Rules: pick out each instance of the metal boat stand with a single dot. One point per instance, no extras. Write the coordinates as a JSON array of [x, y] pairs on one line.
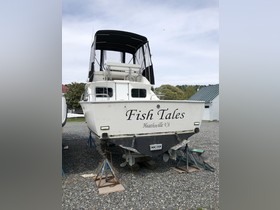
[[62, 171], [186, 157], [192, 157], [91, 140], [106, 175]]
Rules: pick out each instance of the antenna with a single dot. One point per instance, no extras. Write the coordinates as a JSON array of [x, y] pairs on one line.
[[92, 33]]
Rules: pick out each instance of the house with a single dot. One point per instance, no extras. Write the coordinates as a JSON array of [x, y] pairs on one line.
[[79, 110], [64, 89], [209, 94]]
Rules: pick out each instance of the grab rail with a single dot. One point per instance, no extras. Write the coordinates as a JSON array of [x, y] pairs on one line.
[[102, 94]]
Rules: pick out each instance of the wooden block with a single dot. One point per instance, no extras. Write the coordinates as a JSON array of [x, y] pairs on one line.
[[104, 183], [88, 175], [190, 169], [103, 177], [110, 189], [178, 170]]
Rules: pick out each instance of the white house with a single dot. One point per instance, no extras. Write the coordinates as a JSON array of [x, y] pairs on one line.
[[210, 95]]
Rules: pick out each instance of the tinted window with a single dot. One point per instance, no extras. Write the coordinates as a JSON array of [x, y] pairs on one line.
[[138, 93], [103, 92]]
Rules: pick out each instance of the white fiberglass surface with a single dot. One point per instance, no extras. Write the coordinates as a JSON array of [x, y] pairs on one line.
[[122, 91]]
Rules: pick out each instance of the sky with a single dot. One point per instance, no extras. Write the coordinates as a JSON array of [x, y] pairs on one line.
[[183, 36]]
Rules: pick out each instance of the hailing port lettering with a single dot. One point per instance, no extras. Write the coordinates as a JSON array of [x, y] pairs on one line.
[[163, 114], [156, 125]]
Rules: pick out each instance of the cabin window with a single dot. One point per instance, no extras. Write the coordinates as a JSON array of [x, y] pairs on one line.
[[138, 93], [102, 92], [206, 106]]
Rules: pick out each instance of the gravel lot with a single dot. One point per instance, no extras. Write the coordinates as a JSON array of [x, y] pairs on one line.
[[161, 188]]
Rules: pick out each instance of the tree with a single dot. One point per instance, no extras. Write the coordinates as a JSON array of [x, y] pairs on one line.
[[189, 90], [73, 95], [179, 92], [169, 92]]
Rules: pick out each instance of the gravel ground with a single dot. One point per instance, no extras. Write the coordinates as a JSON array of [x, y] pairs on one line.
[[161, 188]]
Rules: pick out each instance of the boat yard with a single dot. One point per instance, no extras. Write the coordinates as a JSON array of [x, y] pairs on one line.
[[134, 150], [160, 188]]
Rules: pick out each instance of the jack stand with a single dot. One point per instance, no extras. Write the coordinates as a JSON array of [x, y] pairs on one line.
[[91, 141], [192, 158], [106, 176], [189, 159]]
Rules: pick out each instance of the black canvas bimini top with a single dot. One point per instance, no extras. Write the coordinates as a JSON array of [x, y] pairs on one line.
[[121, 41]]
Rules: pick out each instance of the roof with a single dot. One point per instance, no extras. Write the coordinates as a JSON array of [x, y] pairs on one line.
[[65, 89], [206, 94], [121, 41]]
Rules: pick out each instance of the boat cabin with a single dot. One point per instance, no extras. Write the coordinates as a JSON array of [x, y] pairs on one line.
[[120, 68]]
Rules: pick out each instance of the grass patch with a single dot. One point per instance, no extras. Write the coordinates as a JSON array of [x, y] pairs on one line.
[[76, 119]]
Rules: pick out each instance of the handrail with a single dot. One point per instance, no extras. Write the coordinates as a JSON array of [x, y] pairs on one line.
[[102, 94]]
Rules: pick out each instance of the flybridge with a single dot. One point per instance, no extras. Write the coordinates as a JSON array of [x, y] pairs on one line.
[[121, 47], [120, 41]]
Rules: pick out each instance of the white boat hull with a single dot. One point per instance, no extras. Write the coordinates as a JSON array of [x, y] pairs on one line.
[[64, 111], [146, 127], [120, 105]]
